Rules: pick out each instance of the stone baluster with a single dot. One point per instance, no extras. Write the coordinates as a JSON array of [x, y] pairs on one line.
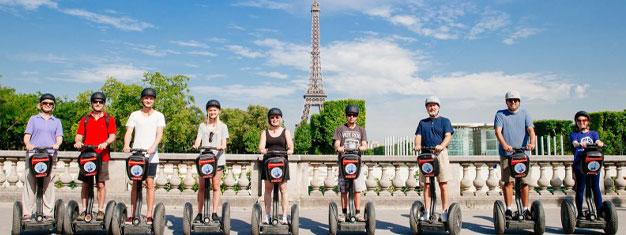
[[189, 181], [492, 180], [370, 183], [620, 183], [568, 182], [479, 181], [330, 182], [466, 182], [243, 182], [229, 182], [533, 182], [398, 182], [66, 177], [175, 180], [316, 181], [543, 181], [411, 183], [556, 182], [3, 177], [608, 181], [385, 181], [160, 180], [13, 177]]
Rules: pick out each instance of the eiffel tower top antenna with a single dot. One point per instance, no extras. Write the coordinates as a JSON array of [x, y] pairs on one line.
[[315, 94]]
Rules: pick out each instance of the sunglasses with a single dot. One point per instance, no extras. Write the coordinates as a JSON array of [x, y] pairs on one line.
[[211, 136], [48, 103], [582, 120], [274, 117], [97, 102], [352, 115], [513, 100]]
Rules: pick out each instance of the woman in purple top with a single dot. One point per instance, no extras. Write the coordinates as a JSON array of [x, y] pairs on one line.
[[579, 140], [42, 130]]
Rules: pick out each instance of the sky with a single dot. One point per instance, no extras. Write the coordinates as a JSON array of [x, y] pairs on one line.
[[562, 56]]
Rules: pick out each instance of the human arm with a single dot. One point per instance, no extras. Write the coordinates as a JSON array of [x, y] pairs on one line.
[[157, 140], [531, 133], [289, 142], [501, 140], [127, 137], [262, 141]]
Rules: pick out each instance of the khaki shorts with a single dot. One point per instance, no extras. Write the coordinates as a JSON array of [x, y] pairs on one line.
[[359, 184], [103, 174], [444, 169], [505, 173]]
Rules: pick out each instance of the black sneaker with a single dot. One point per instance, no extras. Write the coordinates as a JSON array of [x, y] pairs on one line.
[[527, 215], [198, 218], [81, 217], [580, 217], [508, 214], [214, 216]]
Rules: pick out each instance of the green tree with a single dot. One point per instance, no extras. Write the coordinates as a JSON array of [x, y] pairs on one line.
[[302, 138], [15, 111], [555, 128], [244, 127], [323, 125]]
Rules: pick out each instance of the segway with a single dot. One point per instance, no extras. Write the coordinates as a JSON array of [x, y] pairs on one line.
[[89, 163], [206, 164], [519, 167], [137, 166], [590, 164], [350, 163], [275, 168], [429, 167], [40, 168]]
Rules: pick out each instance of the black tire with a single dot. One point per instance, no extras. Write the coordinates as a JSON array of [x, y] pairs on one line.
[[414, 215], [226, 218], [568, 216], [332, 218], [610, 216], [109, 209], [256, 219], [158, 219], [119, 216], [59, 215], [370, 218], [455, 219], [16, 226], [295, 220], [499, 219], [187, 212], [71, 212], [539, 216]]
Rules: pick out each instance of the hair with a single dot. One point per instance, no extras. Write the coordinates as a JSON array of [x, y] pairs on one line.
[[218, 122]]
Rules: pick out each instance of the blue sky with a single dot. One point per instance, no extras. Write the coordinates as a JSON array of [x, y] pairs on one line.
[[563, 56]]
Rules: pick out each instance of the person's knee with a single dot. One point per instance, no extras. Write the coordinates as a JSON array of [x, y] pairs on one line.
[[101, 185], [150, 184]]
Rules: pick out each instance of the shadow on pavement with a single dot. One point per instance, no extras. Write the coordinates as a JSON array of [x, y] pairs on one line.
[[394, 228], [239, 226], [314, 226], [174, 223]]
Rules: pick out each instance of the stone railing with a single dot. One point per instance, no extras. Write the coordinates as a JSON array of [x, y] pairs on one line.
[[315, 176]]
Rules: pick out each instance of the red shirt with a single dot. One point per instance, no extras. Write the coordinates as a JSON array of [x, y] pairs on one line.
[[97, 132]]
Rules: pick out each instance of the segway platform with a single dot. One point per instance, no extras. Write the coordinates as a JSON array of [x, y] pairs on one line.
[[212, 227], [351, 226], [39, 226]]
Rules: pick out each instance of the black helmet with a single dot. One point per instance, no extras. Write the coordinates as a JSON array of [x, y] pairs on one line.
[[98, 95], [213, 103], [47, 96], [581, 113], [352, 109], [274, 111], [148, 91]]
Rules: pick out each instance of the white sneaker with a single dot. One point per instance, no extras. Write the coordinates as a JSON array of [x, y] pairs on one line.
[[444, 216], [426, 216], [284, 220], [267, 219]]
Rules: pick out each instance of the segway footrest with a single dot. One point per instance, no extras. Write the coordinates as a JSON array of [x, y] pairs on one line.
[[597, 224], [212, 227], [517, 224], [351, 226], [37, 226], [435, 226], [96, 226], [275, 229], [141, 228]]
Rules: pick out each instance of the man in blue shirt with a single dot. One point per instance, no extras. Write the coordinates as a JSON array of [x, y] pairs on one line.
[[435, 131], [514, 128]]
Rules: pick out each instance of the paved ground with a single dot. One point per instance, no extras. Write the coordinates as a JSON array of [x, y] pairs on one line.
[[390, 221]]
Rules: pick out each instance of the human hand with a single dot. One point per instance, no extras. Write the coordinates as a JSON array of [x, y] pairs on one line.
[[341, 149], [126, 149], [78, 145], [103, 145]]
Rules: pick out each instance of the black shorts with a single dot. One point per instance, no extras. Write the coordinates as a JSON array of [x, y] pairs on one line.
[[152, 169], [103, 174], [263, 174]]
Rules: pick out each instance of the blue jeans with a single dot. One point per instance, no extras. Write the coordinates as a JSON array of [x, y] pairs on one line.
[[581, 181]]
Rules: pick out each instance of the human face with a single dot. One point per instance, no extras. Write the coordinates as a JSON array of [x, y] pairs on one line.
[[352, 117], [512, 104], [432, 109], [97, 105], [213, 112], [275, 120], [47, 105], [147, 101], [582, 122]]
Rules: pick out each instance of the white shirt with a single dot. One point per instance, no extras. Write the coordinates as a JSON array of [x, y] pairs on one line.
[[146, 130]]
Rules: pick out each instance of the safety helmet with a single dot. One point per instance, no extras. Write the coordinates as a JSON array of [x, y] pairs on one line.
[[512, 95], [352, 109], [581, 113], [213, 103], [148, 92], [47, 96], [432, 99], [98, 96]]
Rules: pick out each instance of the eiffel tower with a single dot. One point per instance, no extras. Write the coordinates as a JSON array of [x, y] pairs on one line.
[[315, 95]]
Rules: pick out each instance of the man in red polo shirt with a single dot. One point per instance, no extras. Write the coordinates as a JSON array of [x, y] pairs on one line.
[[101, 132]]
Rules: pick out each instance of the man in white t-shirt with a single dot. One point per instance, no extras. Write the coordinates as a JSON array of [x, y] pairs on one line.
[[148, 125]]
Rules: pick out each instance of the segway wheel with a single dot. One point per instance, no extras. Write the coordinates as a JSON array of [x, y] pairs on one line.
[[16, 226], [226, 218], [455, 218], [187, 213], [158, 216], [256, 219], [416, 212], [499, 219], [59, 212], [295, 220], [568, 216], [108, 214], [71, 212], [119, 216], [332, 218], [539, 216], [610, 216], [370, 218]]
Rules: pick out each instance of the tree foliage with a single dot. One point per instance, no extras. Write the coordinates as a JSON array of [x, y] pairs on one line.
[[244, 127], [302, 138], [323, 125]]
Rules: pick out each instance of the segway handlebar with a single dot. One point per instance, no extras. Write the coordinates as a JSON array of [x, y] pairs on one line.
[[277, 152], [89, 147], [139, 150], [42, 148], [207, 148], [593, 145]]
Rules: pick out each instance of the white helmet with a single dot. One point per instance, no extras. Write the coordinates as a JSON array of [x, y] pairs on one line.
[[432, 99], [512, 95]]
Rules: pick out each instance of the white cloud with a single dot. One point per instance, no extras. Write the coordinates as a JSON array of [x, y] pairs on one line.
[[28, 73], [237, 27], [581, 91], [282, 53], [122, 72], [213, 76], [29, 4], [50, 58], [490, 21], [251, 94], [274, 5], [190, 43], [218, 40], [151, 50], [243, 51], [273, 75], [521, 32], [203, 53], [123, 23]]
